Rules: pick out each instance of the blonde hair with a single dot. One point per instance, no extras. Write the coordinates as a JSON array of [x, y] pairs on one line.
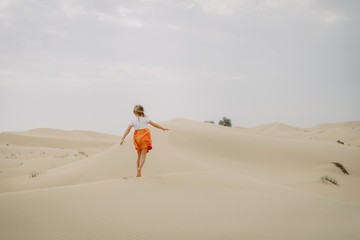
[[138, 109]]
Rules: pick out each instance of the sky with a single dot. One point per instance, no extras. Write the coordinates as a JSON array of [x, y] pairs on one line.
[[84, 64]]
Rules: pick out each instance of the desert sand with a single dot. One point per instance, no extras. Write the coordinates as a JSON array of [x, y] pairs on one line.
[[200, 181]]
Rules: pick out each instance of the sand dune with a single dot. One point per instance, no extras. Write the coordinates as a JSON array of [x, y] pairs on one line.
[[40, 150], [275, 128], [55, 138], [200, 181], [347, 132]]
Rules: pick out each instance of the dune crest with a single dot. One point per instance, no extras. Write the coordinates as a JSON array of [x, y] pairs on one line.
[[275, 128], [347, 132]]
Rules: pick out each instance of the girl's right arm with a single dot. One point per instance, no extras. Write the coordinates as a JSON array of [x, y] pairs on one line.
[[125, 134]]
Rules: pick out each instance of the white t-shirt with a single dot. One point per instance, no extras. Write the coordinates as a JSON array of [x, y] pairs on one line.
[[140, 122]]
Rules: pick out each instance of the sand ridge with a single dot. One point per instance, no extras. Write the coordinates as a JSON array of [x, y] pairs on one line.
[[346, 132]]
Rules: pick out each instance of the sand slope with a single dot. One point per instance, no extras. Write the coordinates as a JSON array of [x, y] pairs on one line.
[[346, 132], [40, 150], [200, 181]]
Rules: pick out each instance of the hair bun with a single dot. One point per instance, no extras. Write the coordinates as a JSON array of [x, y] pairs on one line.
[[139, 110]]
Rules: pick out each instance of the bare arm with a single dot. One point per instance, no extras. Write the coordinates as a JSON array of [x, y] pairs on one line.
[[158, 126], [125, 134]]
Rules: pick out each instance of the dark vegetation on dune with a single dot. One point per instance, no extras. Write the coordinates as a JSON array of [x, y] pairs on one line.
[[223, 122], [339, 165]]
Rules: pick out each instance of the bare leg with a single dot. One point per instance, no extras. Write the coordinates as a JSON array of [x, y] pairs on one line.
[[143, 153], [138, 159], [138, 165]]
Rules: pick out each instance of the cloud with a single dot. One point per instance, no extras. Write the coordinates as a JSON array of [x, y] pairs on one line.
[[6, 76], [56, 32], [229, 7], [332, 17], [285, 4], [126, 73], [67, 78], [4, 4], [27, 77], [142, 75], [219, 7], [172, 26], [315, 12], [122, 16], [72, 10]]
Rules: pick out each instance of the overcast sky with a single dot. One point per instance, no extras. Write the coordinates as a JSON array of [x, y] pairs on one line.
[[84, 64]]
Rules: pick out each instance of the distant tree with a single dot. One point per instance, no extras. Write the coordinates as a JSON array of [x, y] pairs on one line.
[[225, 122], [210, 121]]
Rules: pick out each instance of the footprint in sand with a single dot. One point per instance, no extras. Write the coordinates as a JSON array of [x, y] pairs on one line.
[[125, 178]]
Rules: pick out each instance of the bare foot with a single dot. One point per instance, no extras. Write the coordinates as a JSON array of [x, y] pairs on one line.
[[138, 173]]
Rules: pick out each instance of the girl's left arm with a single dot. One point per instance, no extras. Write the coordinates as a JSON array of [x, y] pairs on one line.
[[125, 134], [158, 126]]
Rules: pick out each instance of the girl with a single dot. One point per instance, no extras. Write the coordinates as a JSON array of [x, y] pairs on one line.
[[142, 137]]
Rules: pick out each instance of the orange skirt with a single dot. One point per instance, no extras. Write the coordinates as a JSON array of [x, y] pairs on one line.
[[142, 139]]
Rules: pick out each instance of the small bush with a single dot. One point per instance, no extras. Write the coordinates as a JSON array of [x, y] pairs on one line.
[[83, 153], [225, 122], [339, 165], [329, 179], [34, 174]]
